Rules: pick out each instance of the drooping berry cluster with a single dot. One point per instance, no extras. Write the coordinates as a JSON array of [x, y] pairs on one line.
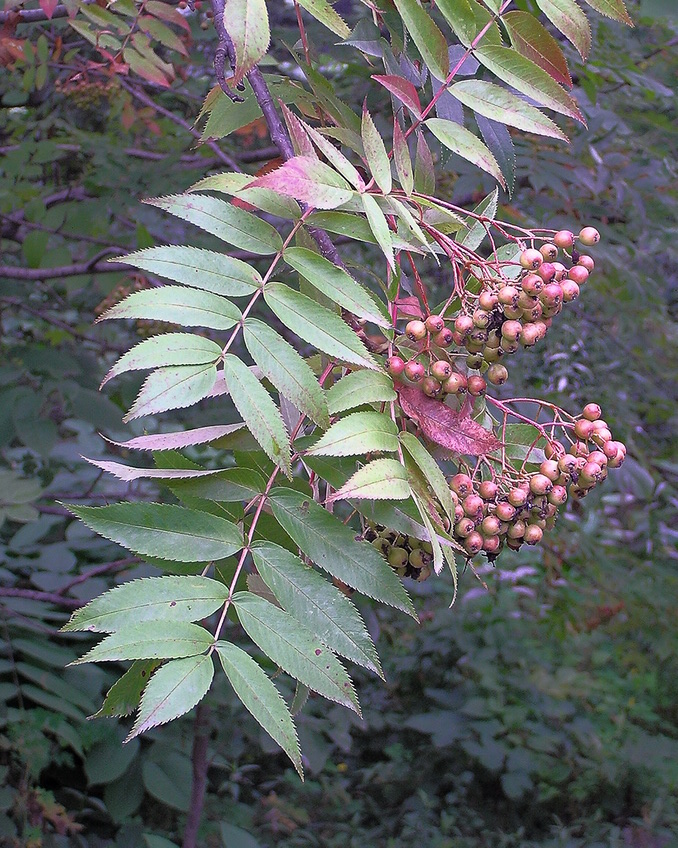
[[409, 557]]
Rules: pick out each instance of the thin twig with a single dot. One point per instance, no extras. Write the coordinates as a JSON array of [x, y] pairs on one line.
[[34, 595], [200, 763]]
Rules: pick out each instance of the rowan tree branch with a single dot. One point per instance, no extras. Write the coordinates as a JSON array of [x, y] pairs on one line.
[[34, 595], [200, 764], [32, 16]]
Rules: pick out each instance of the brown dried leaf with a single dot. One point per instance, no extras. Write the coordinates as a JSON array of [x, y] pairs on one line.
[[442, 425]]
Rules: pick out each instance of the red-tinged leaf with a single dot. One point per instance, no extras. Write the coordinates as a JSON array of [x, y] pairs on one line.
[[179, 440], [167, 13], [532, 40], [145, 68], [409, 307], [246, 22], [48, 6], [402, 159], [612, 9], [300, 141], [451, 430], [308, 180], [403, 90], [129, 473], [571, 21]]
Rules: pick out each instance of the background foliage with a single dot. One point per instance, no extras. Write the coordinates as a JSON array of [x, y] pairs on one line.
[[541, 710]]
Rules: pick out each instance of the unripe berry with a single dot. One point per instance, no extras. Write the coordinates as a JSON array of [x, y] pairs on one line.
[[441, 370], [599, 457], [601, 436], [579, 274], [509, 346], [395, 366], [511, 330], [463, 324], [497, 374], [474, 360], [532, 284], [552, 295], [455, 384], [533, 534], [540, 484], [516, 530], [488, 490], [415, 330], [517, 497], [473, 504], [487, 300], [481, 318], [618, 460], [513, 313], [531, 259], [531, 315], [461, 484], [527, 301], [553, 450], [570, 290], [564, 239], [414, 371], [561, 272], [589, 236], [417, 558], [464, 528], [549, 468], [530, 335], [547, 272], [491, 544], [610, 449], [505, 511], [491, 354], [473, 543], [478, 335], [476, 385], [583, 429], [592, 412], [431, 387], [549, 251], [557, 496], [444, 338], [490, 525], [508, 295], [434, 323], [514, 544], [397, 557], [586, 262]]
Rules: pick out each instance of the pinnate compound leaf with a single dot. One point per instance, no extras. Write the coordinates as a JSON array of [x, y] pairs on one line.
[[528, 78], [261, 415], [375, 153], [246, 22], [165, 531], [612, 9], [198, 268], [150, 598], [149, 641], [180, 439], [323, 12], [177, 305], [167, 349], [227, 222], [403, 90], [291, 645], [332, 546], [173, 388], [532, 40], [457, 433], [317, 325], [462, 142], [124, 695], [336, 283], [175, 688], [428, 38], [313, 600], [381, 479], [357, 434], [571, 21], [359, 387], [308, 180], [261, 698], [498, 104], [285, 368]]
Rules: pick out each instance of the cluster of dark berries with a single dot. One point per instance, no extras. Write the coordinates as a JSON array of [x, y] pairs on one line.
[[516, 511], [505, 315], [407, 556]]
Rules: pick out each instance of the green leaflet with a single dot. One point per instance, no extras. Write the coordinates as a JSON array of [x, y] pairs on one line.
[[427, 465], [228, 486], [165, 531], [317, 325], [285, 368], [317, 603], [173, 388], [335, 283], [532, 40], [246, 23], [323, 12], [357, 434], [151, 640], [381, 479], [528, 78], [167, 349], [332, 546], [261, 415], [291, 645], [612, 9], [424, 169], [459, 15], [198, 268], [477, 230], [175, 688], [402, 159], [177, 305], [429, 39], [54, 684], [259, 695], [150, 598], [227, 222], [359, 387], [375, 153], [335, 157], [124, 695], [571, 21], [462, 142], [379, 226], [498, 104]]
